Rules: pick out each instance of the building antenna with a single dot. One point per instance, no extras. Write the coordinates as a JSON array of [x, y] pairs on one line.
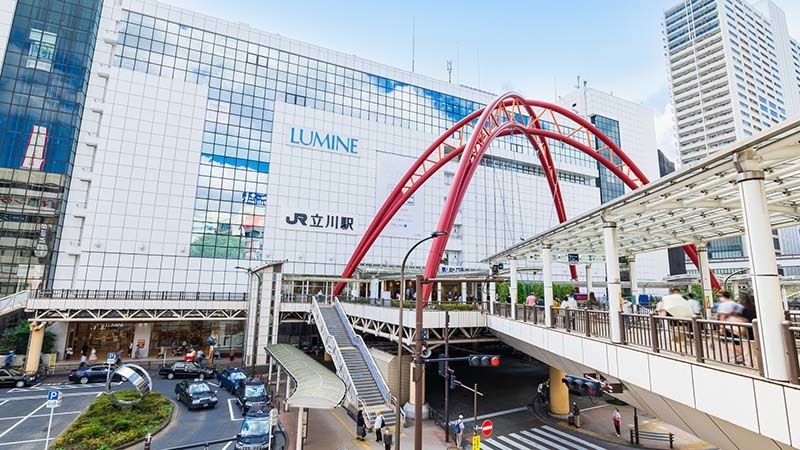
[[478, 56], [555, 89], [449, 70], [413, 41]]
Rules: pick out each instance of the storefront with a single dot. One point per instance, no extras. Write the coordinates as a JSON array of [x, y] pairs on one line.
[[153, 338]]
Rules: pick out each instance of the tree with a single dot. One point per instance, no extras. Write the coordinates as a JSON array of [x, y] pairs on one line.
[[524, 289], [16, 339], [217, 246]]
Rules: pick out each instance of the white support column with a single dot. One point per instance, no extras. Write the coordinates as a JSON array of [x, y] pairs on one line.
[[547, 277], [301, 429], [705, 277], [764, 268], [492, 295], [634, 280], [613, 280], [784, 298], [285, 397], [374, 288], [464, 291], [512, 287], [439, 292], [278, 380], [588, 278], [485, 296]]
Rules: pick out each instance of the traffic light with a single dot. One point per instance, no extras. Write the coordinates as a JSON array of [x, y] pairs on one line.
[[484, 361], [441, 365], [453, 382], [582, 386]]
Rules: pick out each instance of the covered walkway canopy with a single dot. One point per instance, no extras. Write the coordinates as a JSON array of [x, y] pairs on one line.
[[316, 386], [748, 188], [692, 206]]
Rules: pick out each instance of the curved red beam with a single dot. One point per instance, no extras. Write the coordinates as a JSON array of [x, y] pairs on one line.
[[468, 165]]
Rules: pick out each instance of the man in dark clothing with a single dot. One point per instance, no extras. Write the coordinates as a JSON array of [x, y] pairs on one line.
[[361, 426], [388, 439]]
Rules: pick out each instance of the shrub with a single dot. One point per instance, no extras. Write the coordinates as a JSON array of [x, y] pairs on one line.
[[17, 339], [91, 429]]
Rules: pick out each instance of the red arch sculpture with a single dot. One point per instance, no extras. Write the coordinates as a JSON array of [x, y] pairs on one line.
[[508, 114]]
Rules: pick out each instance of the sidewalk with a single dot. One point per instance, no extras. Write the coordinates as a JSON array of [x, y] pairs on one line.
[[596, 421], [335, 430]]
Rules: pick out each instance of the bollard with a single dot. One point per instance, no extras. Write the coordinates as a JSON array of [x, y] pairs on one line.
[[147, 440]]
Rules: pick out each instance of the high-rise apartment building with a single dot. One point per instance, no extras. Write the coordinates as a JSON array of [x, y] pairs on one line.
[[734, 71]]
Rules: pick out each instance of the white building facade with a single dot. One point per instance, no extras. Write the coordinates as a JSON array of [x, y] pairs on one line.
[[734, 71]]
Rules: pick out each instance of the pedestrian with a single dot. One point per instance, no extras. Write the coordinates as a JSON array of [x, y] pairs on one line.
[[361, 426], [377, 425], [118, 359], [627, 308], [9, 359], [459, 429], [130, 350], [531, 300], [576, 414], [68, 353], [593, 302], [388, 438], [84, 358], [138, 352], [617, 418], [85, 349], [92, 356]]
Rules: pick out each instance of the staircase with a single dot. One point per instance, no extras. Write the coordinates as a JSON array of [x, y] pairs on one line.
[[14, 302], [354, 365]]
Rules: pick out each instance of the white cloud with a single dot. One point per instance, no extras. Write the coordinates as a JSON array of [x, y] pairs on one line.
[[665, 130]]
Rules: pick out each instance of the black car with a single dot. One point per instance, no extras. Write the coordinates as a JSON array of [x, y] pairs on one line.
[[186, 369], [16, 378], [196, 394], [259, 432], [93, 374], [249, 392]]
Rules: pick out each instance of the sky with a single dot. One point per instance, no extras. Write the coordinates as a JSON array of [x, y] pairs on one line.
[[535, 47]]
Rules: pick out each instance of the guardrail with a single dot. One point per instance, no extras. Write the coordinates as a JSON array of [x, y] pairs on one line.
[[723, 342], [137, 295]]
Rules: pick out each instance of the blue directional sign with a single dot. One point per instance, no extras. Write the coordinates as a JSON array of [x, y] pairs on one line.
[[53, 395]]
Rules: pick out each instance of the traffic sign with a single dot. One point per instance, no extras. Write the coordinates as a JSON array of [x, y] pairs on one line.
[[486, 427], [111, 358], [476, 442], [53, 399]]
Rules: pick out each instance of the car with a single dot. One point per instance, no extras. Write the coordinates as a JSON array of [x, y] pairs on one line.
[[196, 394], [97, 373], [186, 369], [229, 378], [249, 392], [16, 378], [260, 432]]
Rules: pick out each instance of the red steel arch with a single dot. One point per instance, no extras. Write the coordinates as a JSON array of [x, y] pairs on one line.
[[508, 114]]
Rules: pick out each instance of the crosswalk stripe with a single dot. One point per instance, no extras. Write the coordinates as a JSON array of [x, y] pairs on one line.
[[486, 446], [567, 435], [528, 441], [501, 446], [543, 440], [558, 439], [516, 444]]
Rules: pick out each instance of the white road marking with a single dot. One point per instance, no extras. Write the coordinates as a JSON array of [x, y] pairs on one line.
[[26, 442], [3, 402], [545, 441], [42, 396], [213, 384], [567, 435], [227, 445], [528, 442], [23, 419], [230, 410], [509, 441], [595, 407], [43, 415]]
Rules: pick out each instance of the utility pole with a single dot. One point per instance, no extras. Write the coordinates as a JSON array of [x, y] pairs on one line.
[[418, 366], [447, 377]]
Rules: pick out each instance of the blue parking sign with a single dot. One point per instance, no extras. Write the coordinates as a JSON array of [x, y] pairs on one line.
[[53, 395]]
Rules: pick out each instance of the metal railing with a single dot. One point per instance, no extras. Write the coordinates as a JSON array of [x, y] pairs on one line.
[[14, 302], [98, 294]]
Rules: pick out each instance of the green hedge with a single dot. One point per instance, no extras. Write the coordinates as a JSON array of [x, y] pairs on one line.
[[524, 289], [104, 425]]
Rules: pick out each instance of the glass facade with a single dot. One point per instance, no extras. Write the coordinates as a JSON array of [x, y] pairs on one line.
[[42, 91], [610, 186], [245, 80]]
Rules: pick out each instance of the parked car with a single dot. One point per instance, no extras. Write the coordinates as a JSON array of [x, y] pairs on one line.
[[16, 378], [259, 432], [93, 374], [196, 394], [229, 379], [186, 369], [249, 392]]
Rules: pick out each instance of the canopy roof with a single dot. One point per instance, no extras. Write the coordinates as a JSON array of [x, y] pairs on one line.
[[316, 386], [694, 205]]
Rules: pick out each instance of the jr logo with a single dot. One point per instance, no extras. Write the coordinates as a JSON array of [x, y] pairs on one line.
[[312, 138]]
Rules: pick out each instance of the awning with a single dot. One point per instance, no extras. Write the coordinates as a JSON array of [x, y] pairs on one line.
[[316, 387], [695, 205]]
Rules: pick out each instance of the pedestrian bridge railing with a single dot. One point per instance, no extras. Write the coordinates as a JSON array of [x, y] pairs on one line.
[[722, 342], [101, 294]]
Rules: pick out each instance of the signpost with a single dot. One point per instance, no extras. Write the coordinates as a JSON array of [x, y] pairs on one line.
[[486, 428], [111, 358], [53, 402]]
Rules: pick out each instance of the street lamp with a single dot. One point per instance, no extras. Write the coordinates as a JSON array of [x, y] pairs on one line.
[[433, 235], [255, 311]]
